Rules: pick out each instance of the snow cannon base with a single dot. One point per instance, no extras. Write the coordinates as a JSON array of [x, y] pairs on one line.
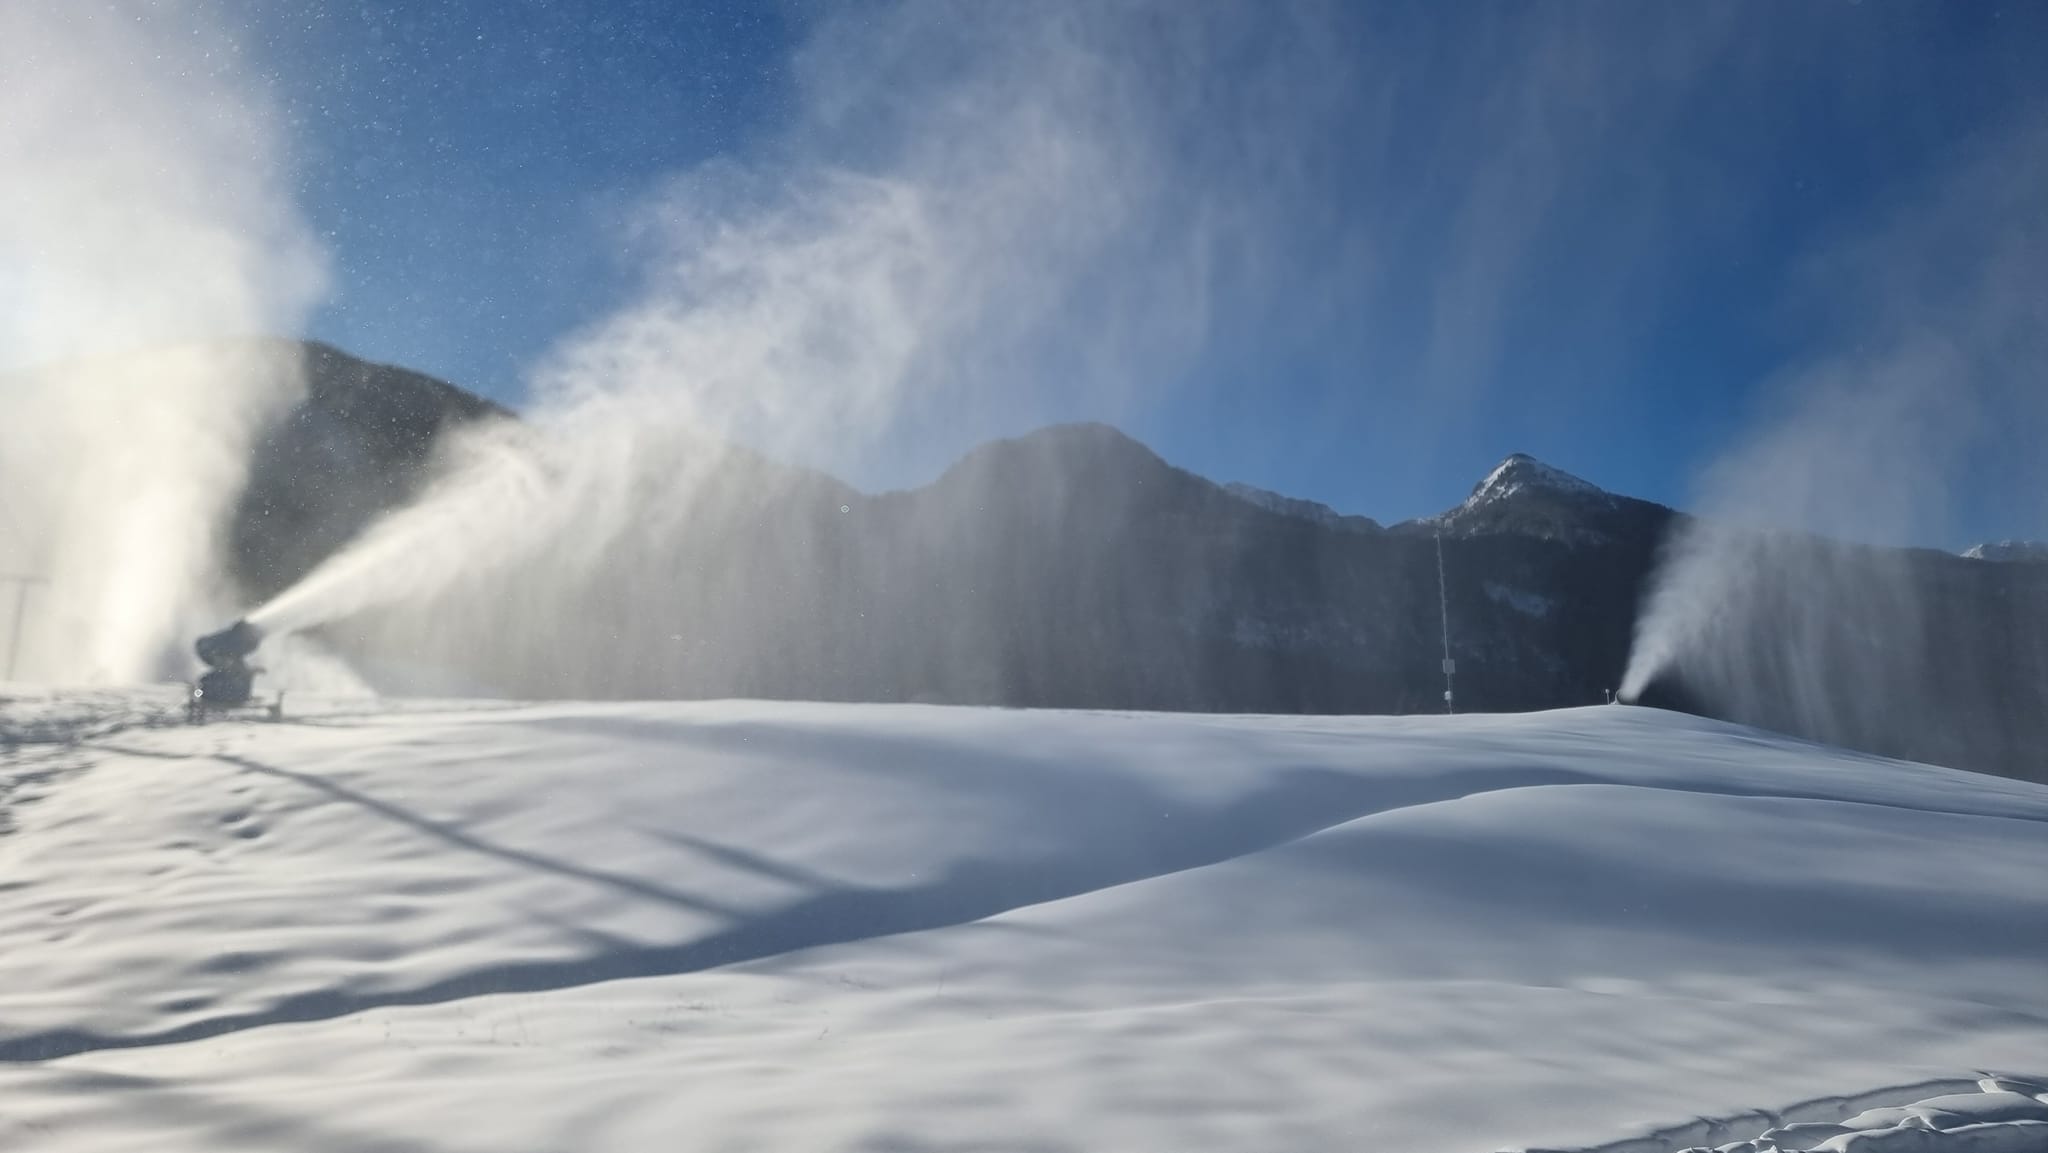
[[229, 682]]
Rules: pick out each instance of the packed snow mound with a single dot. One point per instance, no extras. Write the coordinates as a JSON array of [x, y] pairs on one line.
[[1996, 1114], [790, 926]]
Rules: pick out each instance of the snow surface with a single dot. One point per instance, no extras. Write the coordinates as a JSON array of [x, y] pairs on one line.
[[1998, 1114], [738, 925]]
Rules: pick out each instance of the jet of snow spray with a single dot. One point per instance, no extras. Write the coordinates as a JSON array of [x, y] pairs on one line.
[[1942, 325], [144, 212], [1019, 188]]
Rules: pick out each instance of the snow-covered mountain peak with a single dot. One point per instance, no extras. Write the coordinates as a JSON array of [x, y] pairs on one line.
[[2009, 550], [1524, 496], [1521, 472]]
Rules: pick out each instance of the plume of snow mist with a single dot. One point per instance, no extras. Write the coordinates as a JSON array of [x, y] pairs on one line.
[[142, 217], [1937, 322], [982, 215]]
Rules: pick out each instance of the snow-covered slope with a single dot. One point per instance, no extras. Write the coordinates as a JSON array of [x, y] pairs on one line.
[[774, 926]]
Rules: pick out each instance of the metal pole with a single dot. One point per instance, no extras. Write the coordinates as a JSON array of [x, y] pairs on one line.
[[21, 587], [1443, 600]]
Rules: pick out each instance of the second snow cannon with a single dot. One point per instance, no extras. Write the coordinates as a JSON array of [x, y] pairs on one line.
[[229, 679]]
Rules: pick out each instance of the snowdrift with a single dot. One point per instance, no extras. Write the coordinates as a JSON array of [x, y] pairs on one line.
[[782, 926]]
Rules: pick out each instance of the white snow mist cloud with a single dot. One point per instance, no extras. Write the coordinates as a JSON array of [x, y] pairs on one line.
[[981, 216], [1935, 322], [143, 213]]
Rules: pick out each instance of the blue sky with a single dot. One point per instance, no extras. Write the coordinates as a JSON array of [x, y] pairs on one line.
[[1598, 232]]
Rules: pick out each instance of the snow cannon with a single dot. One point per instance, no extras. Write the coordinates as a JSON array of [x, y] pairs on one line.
[[228, 680], [230, 646]]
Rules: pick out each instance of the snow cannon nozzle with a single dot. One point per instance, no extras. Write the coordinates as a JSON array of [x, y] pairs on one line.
[[230, 646]]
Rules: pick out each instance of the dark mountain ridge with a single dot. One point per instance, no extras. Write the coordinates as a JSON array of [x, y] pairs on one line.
[[360, 441], [1073, 567]]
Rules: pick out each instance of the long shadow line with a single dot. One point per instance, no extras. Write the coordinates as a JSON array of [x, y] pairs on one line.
[[458, 837], [1295, 803], [1299, 802], [624, 883]]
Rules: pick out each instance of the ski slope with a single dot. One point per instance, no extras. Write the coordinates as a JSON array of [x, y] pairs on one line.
[[755, 926]]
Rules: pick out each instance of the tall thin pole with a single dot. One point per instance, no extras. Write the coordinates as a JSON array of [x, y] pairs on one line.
[[1443, 600], [21, 587]]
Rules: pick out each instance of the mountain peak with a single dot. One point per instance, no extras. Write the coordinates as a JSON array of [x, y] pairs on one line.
[[2009, 550], [1521, 472], [1522, 495], [1066, 445]]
